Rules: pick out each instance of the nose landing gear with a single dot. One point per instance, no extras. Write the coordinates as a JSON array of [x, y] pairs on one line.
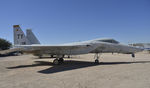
[[133, 55], [96, 57], [96, 61]]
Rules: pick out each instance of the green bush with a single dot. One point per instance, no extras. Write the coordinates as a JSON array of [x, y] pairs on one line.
[[4, 44]]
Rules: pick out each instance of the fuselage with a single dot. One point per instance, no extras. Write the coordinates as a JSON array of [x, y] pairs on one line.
[[91, 46]]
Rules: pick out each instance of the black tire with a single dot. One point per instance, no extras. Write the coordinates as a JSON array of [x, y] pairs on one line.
[[52, 56], [61, 60], [133, 55], [97, 61], [40, 56], [68, 56], [56, 62]]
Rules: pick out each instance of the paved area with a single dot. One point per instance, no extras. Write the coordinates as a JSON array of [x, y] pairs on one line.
[[114, 71]]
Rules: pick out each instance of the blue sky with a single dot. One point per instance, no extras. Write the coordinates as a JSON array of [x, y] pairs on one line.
[[64, 21]]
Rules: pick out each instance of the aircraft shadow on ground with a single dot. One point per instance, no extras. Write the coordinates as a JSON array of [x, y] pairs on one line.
[[69, 65]]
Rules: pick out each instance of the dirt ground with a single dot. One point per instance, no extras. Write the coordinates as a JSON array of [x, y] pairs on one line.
[[114, 71]]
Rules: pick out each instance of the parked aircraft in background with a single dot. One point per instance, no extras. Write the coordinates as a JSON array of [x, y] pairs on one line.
[[145, 46], [141, 45], [29, 43]]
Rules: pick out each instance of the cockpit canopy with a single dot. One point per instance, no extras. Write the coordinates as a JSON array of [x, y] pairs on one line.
[[109, 41]]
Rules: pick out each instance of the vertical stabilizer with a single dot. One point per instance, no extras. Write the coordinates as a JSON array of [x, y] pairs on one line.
[[31, 37], [19, 36]]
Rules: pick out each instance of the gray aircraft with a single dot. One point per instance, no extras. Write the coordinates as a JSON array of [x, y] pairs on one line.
[[29, 44]]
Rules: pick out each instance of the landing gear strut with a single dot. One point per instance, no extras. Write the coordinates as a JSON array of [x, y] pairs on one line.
[[96, 57]]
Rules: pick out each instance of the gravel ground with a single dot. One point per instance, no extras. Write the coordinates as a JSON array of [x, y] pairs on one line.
[[114, 71]]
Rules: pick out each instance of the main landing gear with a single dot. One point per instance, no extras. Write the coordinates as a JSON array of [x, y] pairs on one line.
[[58, 61], [96, 57]]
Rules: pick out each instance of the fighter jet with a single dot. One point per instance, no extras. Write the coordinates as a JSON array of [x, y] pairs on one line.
[[30, 44]]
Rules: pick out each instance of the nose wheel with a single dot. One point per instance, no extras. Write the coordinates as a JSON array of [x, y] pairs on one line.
[[96, 61], [133, 55]]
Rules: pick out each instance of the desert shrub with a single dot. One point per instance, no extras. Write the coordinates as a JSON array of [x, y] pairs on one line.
[[4, 44]]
